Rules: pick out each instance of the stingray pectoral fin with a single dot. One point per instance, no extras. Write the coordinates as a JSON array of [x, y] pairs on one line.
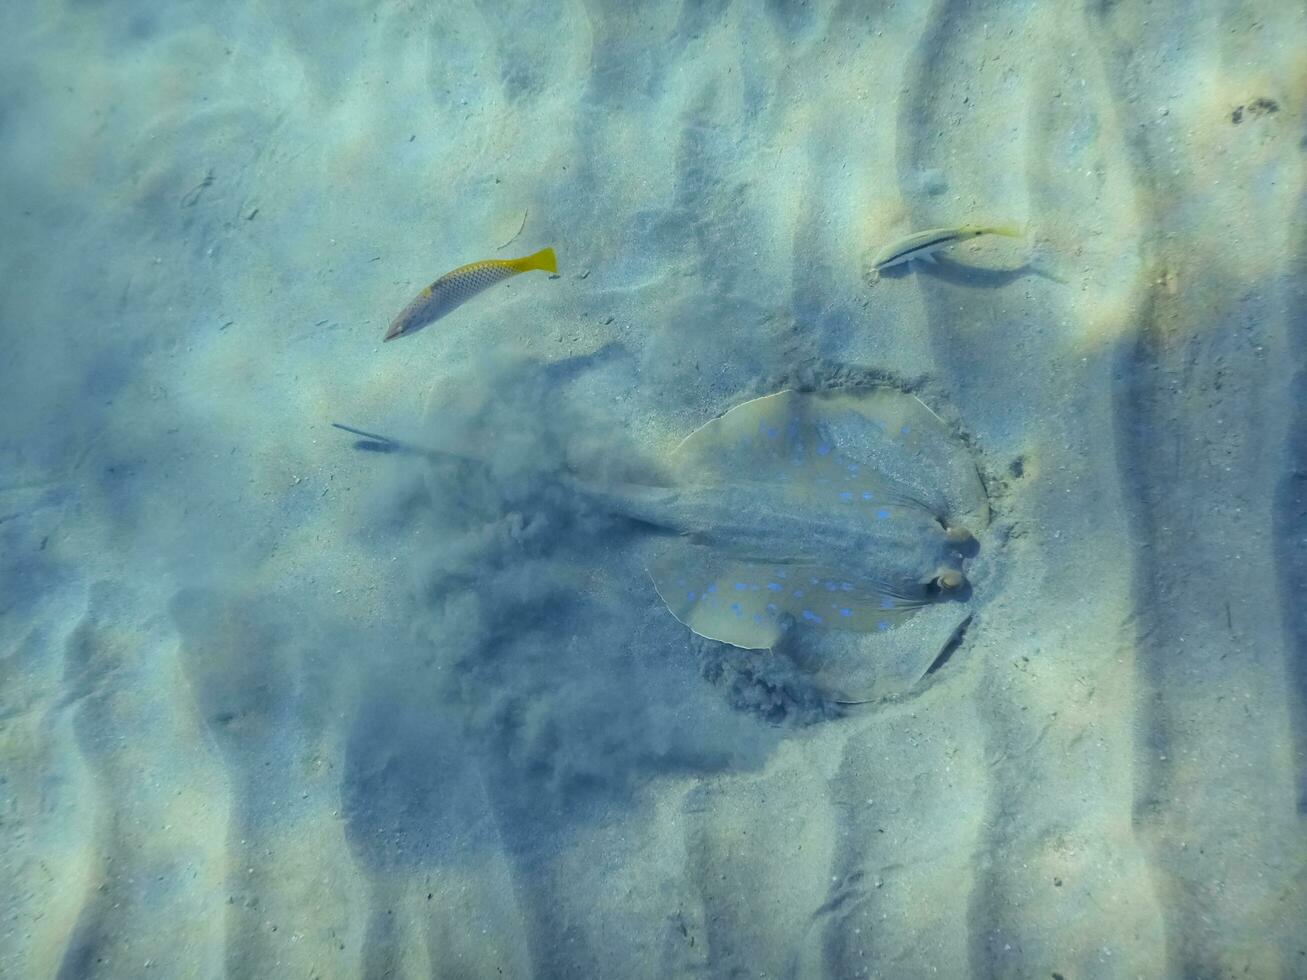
[[857, 606], [720, 600], [751, 605], [737, 621], [823, 449]]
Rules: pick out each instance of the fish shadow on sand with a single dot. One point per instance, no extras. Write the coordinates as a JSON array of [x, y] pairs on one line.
[[965, 274]]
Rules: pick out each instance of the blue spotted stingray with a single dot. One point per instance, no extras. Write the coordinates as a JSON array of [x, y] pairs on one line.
[[836, 510], [832, 510]]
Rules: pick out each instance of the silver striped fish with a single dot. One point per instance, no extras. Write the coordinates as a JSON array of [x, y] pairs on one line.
[[921, 244]]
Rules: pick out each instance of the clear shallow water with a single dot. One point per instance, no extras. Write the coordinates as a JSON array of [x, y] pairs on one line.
[[276, 699]]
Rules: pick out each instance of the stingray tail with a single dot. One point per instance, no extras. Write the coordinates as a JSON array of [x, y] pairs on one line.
[[378, 443]]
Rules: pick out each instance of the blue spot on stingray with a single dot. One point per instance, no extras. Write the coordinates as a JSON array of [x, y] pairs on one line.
[[853, 468], [798, 593], [886, 603], [846, 586], [740, 586], [811, 616], [882, 514], [711, 588], [845, 495], [832, 586], [866, 494], [782, 573], [772, 607], [735, 608], [903, 430], [823, 449], [772, 433], [773, 586], [846, 612], [757, 617], [882, 626], [690, 596]]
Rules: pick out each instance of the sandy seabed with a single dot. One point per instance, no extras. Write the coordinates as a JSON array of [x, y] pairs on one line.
[[278, 702]]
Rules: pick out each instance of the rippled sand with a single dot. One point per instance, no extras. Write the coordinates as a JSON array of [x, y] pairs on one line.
[[275, 705]]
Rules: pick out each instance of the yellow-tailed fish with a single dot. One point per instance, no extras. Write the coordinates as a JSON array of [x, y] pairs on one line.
[[921, 244], [457, 287]]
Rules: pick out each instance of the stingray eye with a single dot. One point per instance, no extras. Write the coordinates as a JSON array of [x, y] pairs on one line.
[[950, 578], [956, 534]]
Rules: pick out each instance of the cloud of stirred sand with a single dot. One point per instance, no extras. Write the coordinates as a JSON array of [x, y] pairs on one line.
[[536, 623]]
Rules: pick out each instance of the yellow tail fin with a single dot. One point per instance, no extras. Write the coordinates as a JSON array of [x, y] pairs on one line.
[[543, 260], [1009, 231]]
